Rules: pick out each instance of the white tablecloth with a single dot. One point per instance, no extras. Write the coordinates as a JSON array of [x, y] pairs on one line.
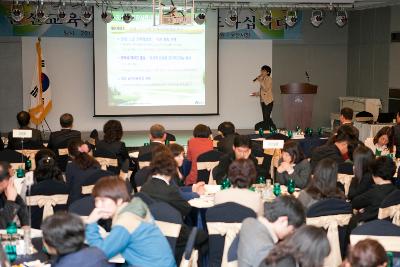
[[369, 130]]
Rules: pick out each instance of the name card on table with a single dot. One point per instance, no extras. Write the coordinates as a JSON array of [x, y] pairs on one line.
[[273, 144], [17, 133]]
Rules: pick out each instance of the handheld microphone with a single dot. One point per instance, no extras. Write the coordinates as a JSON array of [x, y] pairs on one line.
[[307, 76]]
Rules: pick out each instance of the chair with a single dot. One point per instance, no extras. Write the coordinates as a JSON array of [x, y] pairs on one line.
[[190, 256], [333, 215], [12, 156], [385, 232], [345, 180], [45, 198], [390, 208], [206, 162], [144, 160], [62, 158], [88, 183], [141, 176], [145, 197], [108, 160], [168, 219], [223, 223], [30, 154], [82, 207]]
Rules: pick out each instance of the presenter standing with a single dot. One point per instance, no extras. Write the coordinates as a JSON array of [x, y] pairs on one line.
[[265, 94]]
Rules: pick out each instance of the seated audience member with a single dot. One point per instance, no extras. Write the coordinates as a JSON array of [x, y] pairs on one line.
[[112, 144], [362, 180], [258, 236], [11, 204], [307, 246], [62, 138], [228, 134], [339, 145], [396, 133], [157, 138], [1, 144], [186, 192], [346, 117], [383, 170], [242, 174], [293, 165], [160, 188], [64, 237], [366, 253], [81, 166], [241, 150], [199, 144], [46, 171], [35, 142], [323, 184], [382, 143], [134, 233]]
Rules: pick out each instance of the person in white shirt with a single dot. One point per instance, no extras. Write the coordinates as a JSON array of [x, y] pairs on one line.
[[382, 143]]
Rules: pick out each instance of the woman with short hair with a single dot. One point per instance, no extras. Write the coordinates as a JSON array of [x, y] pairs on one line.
[[293, 165], [242, 174]]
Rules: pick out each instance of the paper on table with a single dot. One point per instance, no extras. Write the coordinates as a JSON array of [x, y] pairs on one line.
[[34, 232]]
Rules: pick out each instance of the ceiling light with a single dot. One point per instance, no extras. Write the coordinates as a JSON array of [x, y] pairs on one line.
[[291, 18], [127, 17], [17, 12], [86, 13], [107, 16], [231, 18], [61, 15], [316, 18], [266, 18], [341, 18], [200, 18]]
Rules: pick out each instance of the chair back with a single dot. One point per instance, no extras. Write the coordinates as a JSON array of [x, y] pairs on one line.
[[144, 159], [223, 223], [107, 159], [145, 198], [29, 153], [62, 158], [168, 219], [385, 232], [45, 198], [206, 162], [88, 183], [82, 207], [345, 180], [390, 208], [333, 215], [190, 256], [141, 176], [12, 156]]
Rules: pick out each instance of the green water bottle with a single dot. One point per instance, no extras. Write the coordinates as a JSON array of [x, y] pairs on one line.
[[319, 131], [261, 131], [11, 248], [390, 259], [261, 180], [277, 189], [378, 152], [28, 165], [167, 142], [290, 134], [20, 172], [226, 183], [291, 186]]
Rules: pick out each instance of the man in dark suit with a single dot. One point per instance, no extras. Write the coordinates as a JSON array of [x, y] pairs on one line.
[[62, 138], [157, 138], [36, 142]]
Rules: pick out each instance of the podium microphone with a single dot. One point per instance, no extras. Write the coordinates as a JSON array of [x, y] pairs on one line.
[[308, 77]]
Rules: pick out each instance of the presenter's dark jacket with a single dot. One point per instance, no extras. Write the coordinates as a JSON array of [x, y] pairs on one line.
[[220, 172], [62, 138], [371, 200], [10, 209], [115, 149], [36, 142], [159, 190]]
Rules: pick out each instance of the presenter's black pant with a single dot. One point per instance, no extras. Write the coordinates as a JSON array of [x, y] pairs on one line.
[[266, 110]]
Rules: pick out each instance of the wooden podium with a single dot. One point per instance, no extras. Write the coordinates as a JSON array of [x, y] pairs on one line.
[[298, 104]]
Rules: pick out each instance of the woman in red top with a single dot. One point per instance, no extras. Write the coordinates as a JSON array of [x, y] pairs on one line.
[[197, 145]]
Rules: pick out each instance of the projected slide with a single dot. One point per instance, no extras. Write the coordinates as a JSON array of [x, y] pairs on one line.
[[142, 69], [155, 66]]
